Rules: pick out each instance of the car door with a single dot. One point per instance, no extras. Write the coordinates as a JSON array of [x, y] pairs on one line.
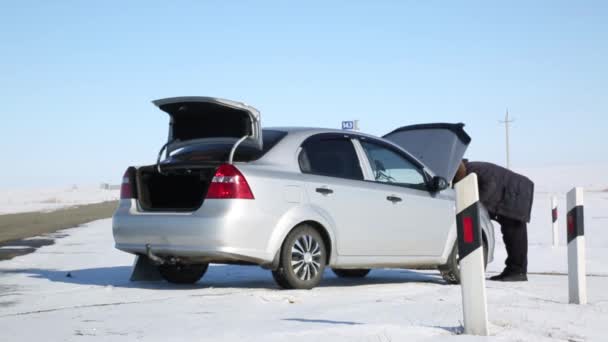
[[411, 221], [333, 179]]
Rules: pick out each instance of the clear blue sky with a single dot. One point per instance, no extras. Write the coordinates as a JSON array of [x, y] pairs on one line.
[[77, 77]]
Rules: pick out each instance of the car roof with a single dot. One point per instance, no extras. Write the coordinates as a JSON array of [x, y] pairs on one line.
[[317, 130], [285, 152]]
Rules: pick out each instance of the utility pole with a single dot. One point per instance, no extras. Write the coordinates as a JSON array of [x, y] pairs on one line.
[[507, 122]]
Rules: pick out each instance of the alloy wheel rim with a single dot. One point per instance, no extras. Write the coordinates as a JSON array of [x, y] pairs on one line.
[[306, 258]]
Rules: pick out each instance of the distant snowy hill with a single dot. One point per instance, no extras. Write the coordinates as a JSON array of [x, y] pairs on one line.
[[18, 201], [562, 178]]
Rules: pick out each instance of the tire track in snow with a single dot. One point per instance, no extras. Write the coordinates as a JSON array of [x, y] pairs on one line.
[[87, 306]]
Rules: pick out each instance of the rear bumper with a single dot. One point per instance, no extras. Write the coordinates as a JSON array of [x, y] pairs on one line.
[[222, 230], [219, 254]]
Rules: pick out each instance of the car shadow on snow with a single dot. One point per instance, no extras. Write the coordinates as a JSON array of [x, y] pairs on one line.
[[220, 276]]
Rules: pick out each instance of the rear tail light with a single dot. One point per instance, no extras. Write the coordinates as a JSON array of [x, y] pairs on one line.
[[126, 189], [229, 183]]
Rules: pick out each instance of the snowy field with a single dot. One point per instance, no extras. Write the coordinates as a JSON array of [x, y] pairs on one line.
[[79, 288], [19, 201]]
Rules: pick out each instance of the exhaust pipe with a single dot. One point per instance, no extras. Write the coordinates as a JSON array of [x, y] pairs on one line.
[[155, 258]]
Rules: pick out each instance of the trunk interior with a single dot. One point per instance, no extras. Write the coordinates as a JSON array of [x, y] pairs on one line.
[[174, 190]]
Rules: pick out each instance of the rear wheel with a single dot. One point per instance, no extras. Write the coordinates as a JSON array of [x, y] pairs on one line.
[[351, 273], [303, 259], [183, 274], [450, 272]]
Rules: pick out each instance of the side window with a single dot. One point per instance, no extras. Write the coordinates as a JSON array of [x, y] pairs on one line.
[[390, 167], [331, 156]]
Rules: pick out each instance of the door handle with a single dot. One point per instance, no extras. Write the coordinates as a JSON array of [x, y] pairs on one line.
[[324, 191], [394, 199]]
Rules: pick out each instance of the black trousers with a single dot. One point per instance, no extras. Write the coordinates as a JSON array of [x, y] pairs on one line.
[[515, 237]]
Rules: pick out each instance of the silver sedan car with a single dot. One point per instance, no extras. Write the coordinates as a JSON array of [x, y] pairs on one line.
[[292, 200]]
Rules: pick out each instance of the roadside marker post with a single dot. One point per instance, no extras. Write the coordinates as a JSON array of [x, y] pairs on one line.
[[577, 283], [554, 220], [470, 251]]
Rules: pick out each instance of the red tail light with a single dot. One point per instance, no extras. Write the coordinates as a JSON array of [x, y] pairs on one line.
[[126, 190], [229, 183]]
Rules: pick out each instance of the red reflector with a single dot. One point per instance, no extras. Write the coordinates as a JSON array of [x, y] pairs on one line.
[[229, 183], [554, 214], [570, 225], [126, 190], [467, 227]]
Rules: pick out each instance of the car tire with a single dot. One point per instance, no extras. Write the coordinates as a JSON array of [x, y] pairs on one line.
[[351, 273], [450, 272], [183, 274], [302, 260]]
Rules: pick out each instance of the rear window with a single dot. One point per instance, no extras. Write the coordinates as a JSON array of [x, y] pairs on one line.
[[328, 155], [219, 152], [271, 138]]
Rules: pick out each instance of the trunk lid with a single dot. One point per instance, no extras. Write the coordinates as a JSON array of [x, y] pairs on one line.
[[198, 120], [440, 146]]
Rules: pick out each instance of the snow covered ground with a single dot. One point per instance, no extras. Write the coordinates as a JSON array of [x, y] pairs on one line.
[[79, 288], [561, 178], [18, 201]]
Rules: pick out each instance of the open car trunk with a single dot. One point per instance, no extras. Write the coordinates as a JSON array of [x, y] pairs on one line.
[[198, 120], [203, 134], [173, 190], [440, 146]]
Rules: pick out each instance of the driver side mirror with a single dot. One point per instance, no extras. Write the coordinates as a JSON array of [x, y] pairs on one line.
[[438, 184]]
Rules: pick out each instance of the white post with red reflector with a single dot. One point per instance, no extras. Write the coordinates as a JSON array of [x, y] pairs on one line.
[[577, 284], [555, 225], [470, 251]]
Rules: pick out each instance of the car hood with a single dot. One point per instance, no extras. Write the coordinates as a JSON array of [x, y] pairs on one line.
[[440, 146]]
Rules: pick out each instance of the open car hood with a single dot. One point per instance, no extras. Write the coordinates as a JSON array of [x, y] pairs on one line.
[[440, 146], [202, 120]]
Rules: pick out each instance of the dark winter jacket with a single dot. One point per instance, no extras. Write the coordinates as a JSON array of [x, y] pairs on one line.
[[502, 191]]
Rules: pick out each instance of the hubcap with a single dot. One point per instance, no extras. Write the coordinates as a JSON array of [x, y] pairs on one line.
[[306, 257]]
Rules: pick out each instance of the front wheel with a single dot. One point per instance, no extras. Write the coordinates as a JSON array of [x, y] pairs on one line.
[[303, 259], [450, 272], [183, 274]]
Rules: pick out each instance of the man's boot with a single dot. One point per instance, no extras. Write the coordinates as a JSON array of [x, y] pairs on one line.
[[508, 275]]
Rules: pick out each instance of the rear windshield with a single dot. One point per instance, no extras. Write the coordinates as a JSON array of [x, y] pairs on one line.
[[220, 152]]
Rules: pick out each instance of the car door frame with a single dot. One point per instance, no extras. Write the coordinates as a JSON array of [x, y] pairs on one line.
[[328, 135], [400, 188], [368, 171], [344, 234]]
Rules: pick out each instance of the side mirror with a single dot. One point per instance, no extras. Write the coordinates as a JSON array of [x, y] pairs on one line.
[[439, 184]]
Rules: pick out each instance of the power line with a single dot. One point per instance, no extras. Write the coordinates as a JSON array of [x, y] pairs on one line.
[[507, 122]]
